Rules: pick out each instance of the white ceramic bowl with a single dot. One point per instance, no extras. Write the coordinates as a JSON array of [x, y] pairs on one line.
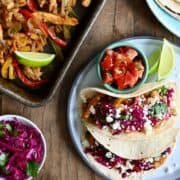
[[10, 117]]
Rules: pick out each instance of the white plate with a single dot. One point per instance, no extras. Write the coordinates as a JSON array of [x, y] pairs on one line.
[[89, 78], [168, 21]]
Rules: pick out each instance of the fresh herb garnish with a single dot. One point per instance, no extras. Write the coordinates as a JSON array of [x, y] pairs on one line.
[[32, 168], [3, 159], [15, 132], [125, 117], [158, 108], [1, 125], [2, 133], [163, 91]]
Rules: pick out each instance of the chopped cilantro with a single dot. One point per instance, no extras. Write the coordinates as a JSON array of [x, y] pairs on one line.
[[2, 133], [163, 91], [32, 168], [158, 108]]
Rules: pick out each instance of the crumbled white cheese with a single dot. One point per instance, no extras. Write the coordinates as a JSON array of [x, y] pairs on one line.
[[154, 100], [168, 170], [133, 128], [109, 119], [85, 143], [145, 110], [108, 155], [92, 110], [130, 110], [129, 165], [116, 125], [160, 116], [105, 127], [148, 127], [157, 158], [118, 113], [151, 160]]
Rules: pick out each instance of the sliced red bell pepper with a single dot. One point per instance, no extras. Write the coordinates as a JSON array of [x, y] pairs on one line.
[[32, 5], [44, 28], [24, 79], [26, 13], [52, 35]]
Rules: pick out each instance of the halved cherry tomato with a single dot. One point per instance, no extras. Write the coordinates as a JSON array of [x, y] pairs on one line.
[[108, 78], [107, 63]]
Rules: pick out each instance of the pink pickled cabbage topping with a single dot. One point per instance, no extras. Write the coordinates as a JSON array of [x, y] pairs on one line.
[[26, 146]]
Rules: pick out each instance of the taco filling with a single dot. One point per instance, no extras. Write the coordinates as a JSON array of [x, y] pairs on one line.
[[138, 114], [125, 167]]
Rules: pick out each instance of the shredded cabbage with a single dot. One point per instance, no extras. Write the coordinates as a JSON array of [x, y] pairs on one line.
[[23, 144]]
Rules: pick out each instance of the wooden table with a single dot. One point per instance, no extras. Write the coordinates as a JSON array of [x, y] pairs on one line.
[[119, 19]]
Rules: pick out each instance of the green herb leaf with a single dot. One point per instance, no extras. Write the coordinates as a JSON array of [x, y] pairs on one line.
[[2, 133], [32, 168], [15, 132], [163, 91], [1, 125], [158, 108], [3, 159]]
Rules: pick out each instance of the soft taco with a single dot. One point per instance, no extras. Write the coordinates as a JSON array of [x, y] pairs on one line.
[[170, 6], [148, 111], [116, 167], [130, 124]]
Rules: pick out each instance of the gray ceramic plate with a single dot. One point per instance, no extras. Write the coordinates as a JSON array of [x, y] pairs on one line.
[[88, 78]]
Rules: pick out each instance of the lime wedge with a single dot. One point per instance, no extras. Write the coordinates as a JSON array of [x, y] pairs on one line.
[[153, 61], [34, 59], [167, 60]]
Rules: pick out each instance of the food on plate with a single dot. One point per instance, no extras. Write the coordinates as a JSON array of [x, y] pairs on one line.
[[170, 6], [117, 167], [149, 110], [28, 26], [21, 150], [122, 67]]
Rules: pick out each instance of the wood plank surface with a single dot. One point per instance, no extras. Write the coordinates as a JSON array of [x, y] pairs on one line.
[[119, 19]]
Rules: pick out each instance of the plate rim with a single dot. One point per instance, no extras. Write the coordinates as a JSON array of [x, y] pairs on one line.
[[160, 21], [77, 150]]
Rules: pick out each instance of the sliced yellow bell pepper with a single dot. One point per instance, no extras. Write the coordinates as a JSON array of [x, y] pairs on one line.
[[11, 72], [7, 70]]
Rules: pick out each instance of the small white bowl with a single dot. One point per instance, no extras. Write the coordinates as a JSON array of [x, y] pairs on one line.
[[10, 117]]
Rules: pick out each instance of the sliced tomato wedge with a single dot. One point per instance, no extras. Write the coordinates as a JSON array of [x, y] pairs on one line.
[[140, 68], [131, 53], [121, 82], [107, 63], [130, 80], [118, 72], [108, 78], [109, 52]]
